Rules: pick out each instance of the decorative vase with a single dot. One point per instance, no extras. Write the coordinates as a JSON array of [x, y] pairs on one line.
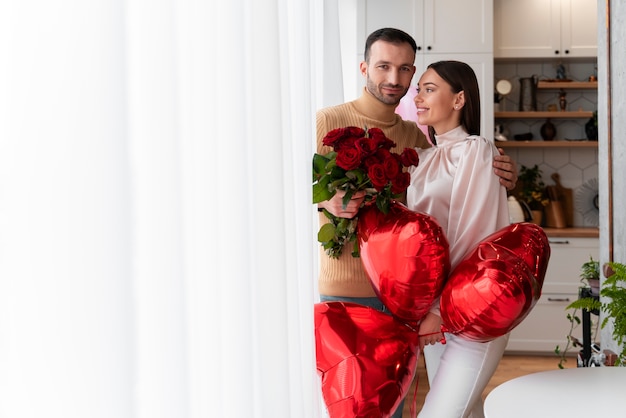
[[528, 93], [548, 130], [562, 100], [591, 130]]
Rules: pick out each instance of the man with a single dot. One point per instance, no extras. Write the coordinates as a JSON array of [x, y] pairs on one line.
[[388, 69]]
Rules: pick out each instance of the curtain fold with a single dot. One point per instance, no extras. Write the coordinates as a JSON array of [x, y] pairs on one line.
[[157, 254]]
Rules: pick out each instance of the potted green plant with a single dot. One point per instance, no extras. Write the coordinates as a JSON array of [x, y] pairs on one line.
[[532, 190], [613, 291], [590, 276]]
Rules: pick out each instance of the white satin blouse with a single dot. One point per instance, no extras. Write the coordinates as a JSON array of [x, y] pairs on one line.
[[454, 182]]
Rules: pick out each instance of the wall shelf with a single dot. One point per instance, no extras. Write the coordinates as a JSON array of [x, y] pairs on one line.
[[580, 85], [543, 115], [547, 144]]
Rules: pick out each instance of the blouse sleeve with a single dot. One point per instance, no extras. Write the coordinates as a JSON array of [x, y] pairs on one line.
[[478, 205]]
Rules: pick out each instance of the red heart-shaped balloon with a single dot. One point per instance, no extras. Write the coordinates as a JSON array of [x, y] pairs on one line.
[[366, 359], [529, 242], [494, 288], [405, 255]]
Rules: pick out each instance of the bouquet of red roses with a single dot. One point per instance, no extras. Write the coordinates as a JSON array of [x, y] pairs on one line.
[[360, 160]]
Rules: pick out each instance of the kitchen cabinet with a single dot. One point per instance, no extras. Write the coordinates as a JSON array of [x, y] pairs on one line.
[[545, 28], [465, 35], [547, 326], [436, 30]]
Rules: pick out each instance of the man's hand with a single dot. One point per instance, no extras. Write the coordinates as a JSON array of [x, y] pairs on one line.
[[505, 168], [335, 204]]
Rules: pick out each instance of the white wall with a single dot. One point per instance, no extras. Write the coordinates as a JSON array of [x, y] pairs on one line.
[[612, 54]]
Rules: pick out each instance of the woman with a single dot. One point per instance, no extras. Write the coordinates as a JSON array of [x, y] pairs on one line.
[[454, 183]]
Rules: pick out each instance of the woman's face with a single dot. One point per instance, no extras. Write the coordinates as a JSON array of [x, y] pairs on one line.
[[437, 105]]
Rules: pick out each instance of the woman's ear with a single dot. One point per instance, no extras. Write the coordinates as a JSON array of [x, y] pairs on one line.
[[459, 102]]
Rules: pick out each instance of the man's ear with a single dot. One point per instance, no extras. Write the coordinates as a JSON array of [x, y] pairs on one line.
[[363, 68]]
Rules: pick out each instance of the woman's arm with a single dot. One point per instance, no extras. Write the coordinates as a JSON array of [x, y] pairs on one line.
[[478, 205]]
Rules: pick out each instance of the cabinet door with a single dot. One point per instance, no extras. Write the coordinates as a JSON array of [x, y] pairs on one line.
[[406, 15], [579, 34], [547, 326], [545, 28], [544, 328], [452, 26], [526, 28], [438, 26], [567, 255]]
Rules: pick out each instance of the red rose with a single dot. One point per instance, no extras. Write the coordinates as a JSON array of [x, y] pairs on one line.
[[349, 158], [369, 161], [392, 166], [380, 138], [400, 183], [365, 145], [409, 157], [382, 154], [345, 142], [335, 137], [377, 176]]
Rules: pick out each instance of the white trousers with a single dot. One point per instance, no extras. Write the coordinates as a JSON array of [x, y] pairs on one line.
[[458, 373]]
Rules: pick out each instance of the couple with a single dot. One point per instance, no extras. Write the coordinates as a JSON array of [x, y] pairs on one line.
[[454, 182]]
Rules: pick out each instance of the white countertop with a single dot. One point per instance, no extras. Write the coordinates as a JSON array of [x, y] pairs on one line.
[[568, 393]]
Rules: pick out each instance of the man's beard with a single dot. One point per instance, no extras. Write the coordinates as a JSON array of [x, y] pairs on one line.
[[375, 91]]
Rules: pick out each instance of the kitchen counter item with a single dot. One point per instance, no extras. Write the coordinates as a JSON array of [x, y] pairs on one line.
[[566, 197], [555, 217]]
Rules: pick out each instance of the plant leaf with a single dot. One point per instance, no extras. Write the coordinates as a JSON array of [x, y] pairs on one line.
[[321, 191], [319, 165], [326, 233]]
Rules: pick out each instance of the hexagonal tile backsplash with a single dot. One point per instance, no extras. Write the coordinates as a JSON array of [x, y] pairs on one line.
[[577, 167]]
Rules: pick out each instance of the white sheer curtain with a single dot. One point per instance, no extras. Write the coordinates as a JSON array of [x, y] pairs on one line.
[[156, 233]]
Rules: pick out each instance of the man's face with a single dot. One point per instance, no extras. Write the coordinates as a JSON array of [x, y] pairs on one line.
[[389, 71]]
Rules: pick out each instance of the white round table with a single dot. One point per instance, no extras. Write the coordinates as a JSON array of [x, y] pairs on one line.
[[578, 392]]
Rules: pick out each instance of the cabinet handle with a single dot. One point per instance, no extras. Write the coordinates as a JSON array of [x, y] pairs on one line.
[[558, 241], [567, 51], [419, 48], [556, 52], [429, 47], [558, 299]]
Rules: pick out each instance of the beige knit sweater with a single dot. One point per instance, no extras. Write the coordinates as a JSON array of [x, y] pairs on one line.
[[345, 276]]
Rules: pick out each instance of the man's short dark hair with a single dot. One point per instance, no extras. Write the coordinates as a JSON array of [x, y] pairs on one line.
[[392, 35]]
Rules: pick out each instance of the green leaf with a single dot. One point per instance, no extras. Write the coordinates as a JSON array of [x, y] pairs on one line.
[[326, 233], [321, 191], [382, 203], [356, 251], [346, 198], [319, 166], [589, 304]]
